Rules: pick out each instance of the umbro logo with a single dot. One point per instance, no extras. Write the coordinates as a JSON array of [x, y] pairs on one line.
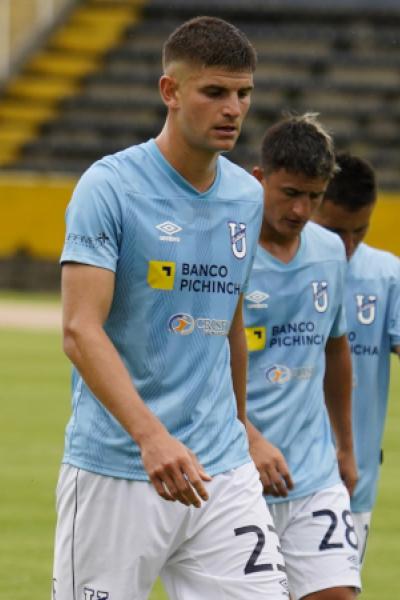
[[169, 230], [257, 299], [285, 585]]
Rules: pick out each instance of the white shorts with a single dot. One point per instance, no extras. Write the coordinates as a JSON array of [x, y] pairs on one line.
[[318, 541], [362, 523], [114, 537]]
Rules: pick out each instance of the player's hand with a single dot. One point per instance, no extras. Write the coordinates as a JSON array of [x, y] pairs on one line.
[[272, 466], [347, 469], [174, 470]]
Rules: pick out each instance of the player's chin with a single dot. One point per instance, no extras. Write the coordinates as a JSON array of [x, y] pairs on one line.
[[225, 145]]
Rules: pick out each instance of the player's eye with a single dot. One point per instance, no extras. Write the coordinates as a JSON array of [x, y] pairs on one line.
[[213, 92], [244, 93], [291, 192], [316, 196]]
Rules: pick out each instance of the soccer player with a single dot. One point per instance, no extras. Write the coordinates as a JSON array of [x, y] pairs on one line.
[[298, 347], [157, 477], [373, 316]]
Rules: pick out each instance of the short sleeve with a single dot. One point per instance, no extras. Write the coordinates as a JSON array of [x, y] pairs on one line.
[[339, 326], [94, 219], [254, 245], [394, 310]]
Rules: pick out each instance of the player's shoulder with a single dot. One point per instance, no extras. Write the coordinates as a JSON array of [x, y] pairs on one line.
[[323, 244], [375, 262], [111, 170], [237, 182], [129, 164]]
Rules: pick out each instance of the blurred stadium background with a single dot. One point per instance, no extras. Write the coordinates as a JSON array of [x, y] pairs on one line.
[[78, 79]]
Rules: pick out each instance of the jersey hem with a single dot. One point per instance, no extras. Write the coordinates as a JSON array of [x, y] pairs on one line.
[[141, 475], [362, 508], [303, 494]]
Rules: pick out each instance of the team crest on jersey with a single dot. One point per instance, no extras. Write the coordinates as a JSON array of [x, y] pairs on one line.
[[366, 308], [237, 232], [320, 293]]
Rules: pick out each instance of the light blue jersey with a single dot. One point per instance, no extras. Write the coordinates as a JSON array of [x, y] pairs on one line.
[[373, 310], [181, 260], [291, 311]]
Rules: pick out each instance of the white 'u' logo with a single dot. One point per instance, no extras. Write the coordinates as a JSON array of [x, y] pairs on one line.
[[238, 238], [366, 309], [320, 293]]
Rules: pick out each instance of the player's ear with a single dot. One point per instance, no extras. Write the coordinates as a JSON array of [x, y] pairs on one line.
[[169, 91], [258, 173]]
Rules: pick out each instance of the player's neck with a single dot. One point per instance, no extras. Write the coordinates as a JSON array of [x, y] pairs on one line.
[[281, 247], [196, 166]]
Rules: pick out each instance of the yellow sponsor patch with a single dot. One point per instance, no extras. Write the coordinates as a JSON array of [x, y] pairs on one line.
[[161, 275], [256, 338]]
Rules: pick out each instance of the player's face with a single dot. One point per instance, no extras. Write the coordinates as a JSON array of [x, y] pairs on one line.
[[289, 201], [351, 226], [210, 105]]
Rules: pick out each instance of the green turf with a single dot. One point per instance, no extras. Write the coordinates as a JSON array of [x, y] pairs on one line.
[[382, 559], [34, 396]]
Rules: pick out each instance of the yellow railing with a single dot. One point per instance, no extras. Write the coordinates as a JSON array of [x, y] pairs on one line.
[[55, 72]]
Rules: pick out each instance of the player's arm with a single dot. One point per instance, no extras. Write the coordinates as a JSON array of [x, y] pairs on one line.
[[338, 386], [394, 313], [238, 350], [270, 462], [87, 294]]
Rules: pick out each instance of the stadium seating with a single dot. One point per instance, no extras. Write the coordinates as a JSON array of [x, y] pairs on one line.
[[93, 88]]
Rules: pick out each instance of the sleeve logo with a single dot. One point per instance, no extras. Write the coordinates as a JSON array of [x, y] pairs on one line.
[[237, 232], [161, 275]]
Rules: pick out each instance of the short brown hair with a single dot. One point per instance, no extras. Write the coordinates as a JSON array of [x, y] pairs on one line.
[[210, 42], [299, 144]]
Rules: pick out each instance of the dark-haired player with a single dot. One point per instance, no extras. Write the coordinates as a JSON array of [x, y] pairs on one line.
[[373, 315], [157, 477], [298, 347]]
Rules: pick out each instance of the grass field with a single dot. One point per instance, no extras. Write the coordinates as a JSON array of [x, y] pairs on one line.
[[34, 395]]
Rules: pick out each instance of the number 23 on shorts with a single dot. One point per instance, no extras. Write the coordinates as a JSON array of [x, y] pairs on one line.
[[252, 565]]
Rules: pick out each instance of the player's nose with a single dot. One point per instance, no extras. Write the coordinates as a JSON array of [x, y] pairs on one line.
[[232, 106], [303, 207]]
